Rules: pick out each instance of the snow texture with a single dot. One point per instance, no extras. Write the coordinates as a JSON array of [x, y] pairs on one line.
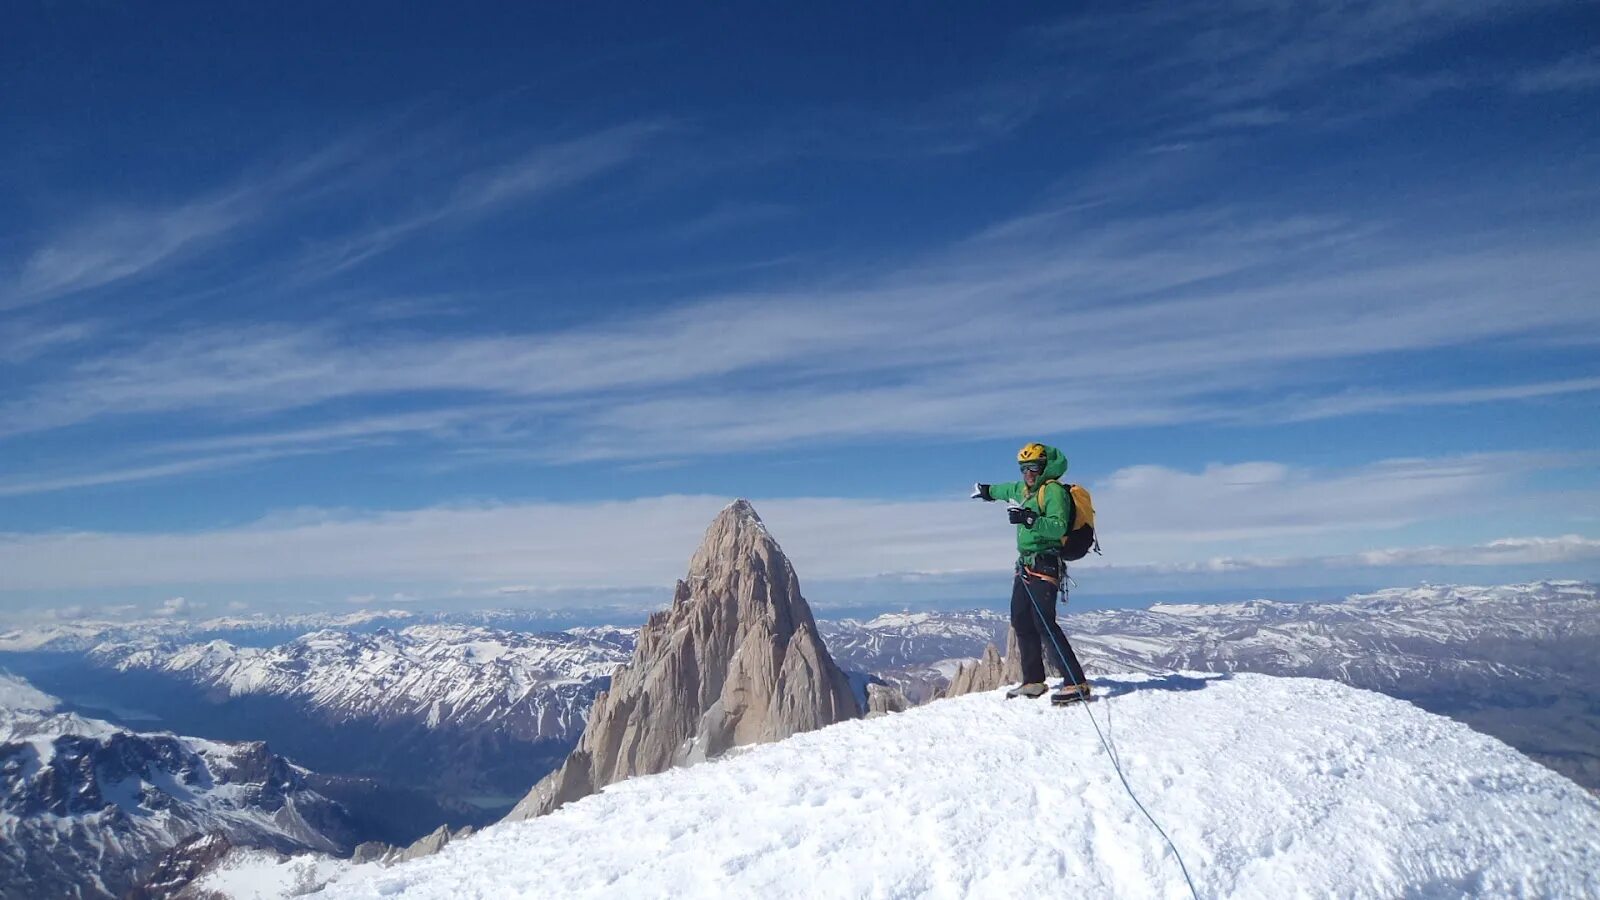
[[266, 875], [1520, 662], [16, 693], [1270, 787]]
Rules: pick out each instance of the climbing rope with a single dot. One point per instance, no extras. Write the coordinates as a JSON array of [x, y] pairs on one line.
[[1115, 764]]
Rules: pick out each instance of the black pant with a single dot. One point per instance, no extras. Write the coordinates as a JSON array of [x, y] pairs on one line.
[[1030, 639]]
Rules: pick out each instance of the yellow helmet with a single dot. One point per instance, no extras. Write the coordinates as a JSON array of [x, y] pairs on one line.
[[1031, 453]]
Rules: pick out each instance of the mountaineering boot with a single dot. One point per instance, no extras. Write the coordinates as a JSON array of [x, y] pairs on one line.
[[1071, 693], [1031, 691]]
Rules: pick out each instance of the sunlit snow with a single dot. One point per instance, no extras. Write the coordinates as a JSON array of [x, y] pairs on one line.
[[1269, 787]]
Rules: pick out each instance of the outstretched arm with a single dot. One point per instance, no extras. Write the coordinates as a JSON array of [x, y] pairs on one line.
[[1012, 491]]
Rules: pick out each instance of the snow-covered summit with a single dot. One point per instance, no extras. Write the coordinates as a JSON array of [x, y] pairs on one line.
[[1268, 787], [1519, 661]]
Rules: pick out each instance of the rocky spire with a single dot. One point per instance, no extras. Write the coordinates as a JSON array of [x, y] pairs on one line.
[[994, 671], [736, 660], [883, 699]]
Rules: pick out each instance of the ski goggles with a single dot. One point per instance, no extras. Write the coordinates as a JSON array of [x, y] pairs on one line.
[[1036, 468]]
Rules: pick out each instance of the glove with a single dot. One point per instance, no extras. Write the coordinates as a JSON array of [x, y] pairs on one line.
[[981, 492], [1021, 515]]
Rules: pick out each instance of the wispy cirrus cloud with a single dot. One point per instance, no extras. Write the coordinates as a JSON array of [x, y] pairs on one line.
[[16, 486], [954, 122], [1578, 72], [234, 451], [269, 369], [545, 169], [1355, 403], [118, 244], [1247, 65], [23, 338], [120, 241], [726, 217], [1181, 318], [1247, 52]]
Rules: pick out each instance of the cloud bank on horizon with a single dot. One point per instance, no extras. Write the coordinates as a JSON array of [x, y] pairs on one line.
[[1300, 288]]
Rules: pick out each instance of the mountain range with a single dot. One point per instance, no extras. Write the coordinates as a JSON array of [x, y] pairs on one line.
[[1517, 661], [88, 807], [432, 724], [265, 630], [429, 727]]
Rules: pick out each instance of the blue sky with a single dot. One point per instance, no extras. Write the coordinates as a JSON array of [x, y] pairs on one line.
[[304, 307]]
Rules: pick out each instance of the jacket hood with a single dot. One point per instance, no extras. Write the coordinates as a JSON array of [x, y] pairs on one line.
[[1055, 463]]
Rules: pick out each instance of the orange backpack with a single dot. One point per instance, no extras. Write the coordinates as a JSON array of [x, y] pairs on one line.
[[1080, 537]]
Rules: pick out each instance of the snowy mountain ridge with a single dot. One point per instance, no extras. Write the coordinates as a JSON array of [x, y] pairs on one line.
[[918, 652], [87, 806], [82, 635], [432, 724], [260, 629], [1267, 787], [536, 686]]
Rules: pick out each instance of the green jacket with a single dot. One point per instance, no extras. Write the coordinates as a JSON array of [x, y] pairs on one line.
[[1051, 525]]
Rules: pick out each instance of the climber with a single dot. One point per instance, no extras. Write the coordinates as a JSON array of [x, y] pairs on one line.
[[1040, 509]]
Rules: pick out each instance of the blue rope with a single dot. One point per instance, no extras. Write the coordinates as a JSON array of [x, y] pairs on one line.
[[1062, 655]]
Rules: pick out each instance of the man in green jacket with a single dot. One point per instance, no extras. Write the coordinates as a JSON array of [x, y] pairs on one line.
[[1041, 510]]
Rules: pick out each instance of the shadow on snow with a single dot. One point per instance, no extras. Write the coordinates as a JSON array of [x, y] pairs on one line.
[[1112, 687]]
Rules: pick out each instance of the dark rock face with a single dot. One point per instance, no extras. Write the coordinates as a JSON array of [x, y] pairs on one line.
[[735, 660], [89, 809], [986, 673], [427, 845], [883, 699], [992, 670], [176, 869]]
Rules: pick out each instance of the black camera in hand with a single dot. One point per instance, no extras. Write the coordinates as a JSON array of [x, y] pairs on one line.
[[1021, 515]]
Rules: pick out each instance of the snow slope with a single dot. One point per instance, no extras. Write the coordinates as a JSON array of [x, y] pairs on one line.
[[1269, 787]]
